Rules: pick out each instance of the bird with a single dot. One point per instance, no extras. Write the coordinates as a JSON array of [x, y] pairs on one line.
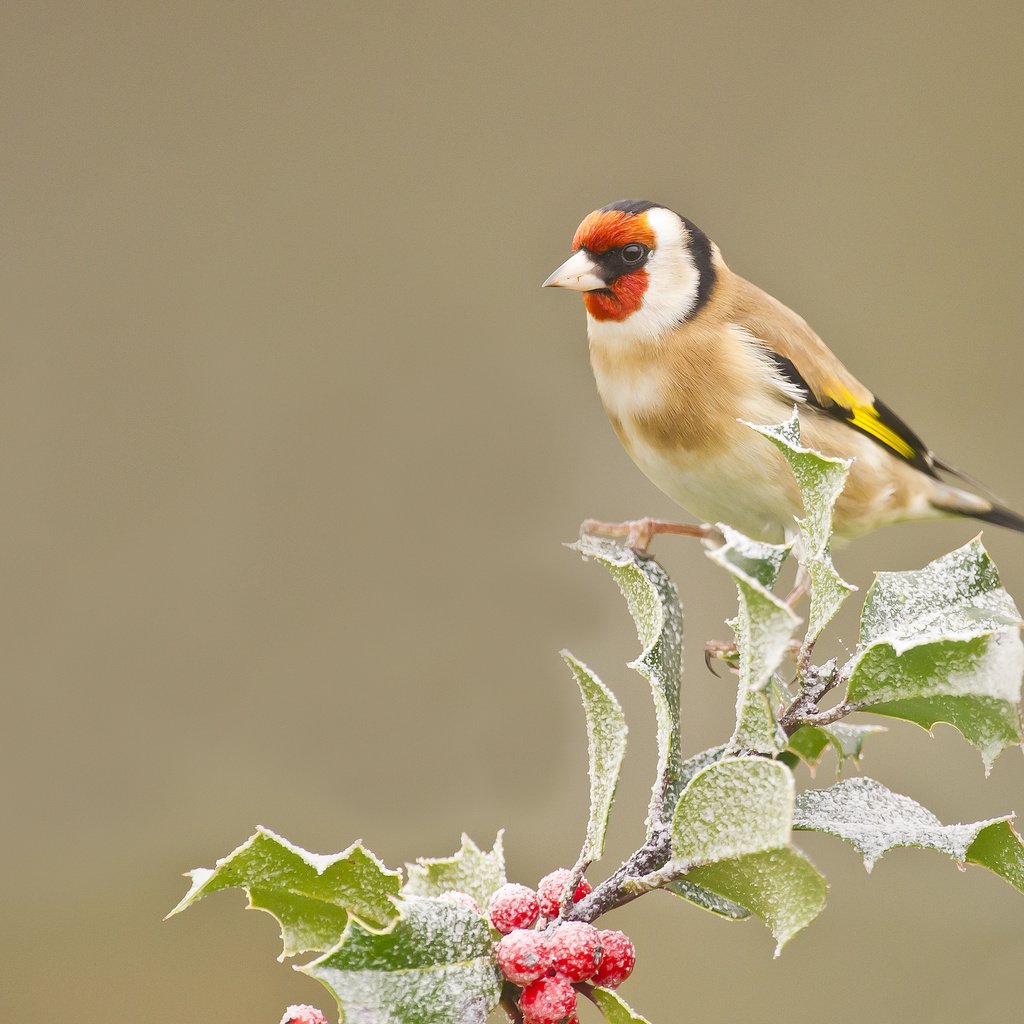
[[686, 354]]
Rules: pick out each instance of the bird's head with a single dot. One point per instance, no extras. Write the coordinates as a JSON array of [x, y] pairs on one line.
[[642, 268]]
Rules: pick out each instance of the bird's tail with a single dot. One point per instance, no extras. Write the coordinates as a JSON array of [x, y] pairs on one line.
[[1001, 517], [963, 503]]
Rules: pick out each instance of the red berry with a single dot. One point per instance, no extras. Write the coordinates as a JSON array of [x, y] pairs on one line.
[[618, 960], [575, 950], [551, 887], [303, 1015], [524, 956], [513, 906], [548, 1001]]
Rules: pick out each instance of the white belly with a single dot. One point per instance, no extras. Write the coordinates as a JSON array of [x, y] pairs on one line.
[[746, 484]]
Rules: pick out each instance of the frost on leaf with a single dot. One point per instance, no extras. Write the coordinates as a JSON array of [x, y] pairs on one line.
[[821, 480], [654, 604], [311, 895], [763, 628], [469, 870], [810, 742], [876, 820], [434, 965], [733, 807], [690, 891], [708, 900], [606, 746], [731, 835], [942, 644], [614, 1007], [781, 886]]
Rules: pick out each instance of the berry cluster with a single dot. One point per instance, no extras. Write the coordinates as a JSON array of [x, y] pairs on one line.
[[547, 957]]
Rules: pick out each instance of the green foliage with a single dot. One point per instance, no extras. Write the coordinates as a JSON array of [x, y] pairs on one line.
[[941, 644], [763, 628], [810, 742], [312, 896], [468, 870], [614, 1008], [435, 965], [654, 605], [821, 481], [606, 745], [876, 820], [731, 835]]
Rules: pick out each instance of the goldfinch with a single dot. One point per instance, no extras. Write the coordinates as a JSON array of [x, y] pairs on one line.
[[683, 351]]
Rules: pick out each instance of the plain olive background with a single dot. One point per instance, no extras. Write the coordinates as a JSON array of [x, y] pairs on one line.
[[292, 439]]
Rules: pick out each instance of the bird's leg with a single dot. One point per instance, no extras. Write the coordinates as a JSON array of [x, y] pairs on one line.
[[801, 587], [640, 532]]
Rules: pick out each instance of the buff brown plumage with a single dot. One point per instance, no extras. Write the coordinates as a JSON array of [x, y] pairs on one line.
[[684, 351]]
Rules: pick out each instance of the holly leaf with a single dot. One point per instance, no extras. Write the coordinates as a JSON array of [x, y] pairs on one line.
[[690, 891], [469, 870], [434, 965], [782, 887], [821, 480], [614, 1007], [810, 742], [763, 628], [1000, 849], [876, 820], [731, 836], [707, 900], [606, 747], [653, 602], [314, 897], [735, 806], [942, 644]]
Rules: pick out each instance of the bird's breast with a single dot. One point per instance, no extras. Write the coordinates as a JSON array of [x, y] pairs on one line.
[[677, 415]]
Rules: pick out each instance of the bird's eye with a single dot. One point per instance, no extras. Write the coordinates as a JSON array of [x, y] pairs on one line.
[[633, 253]]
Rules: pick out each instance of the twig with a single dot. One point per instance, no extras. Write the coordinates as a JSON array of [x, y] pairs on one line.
[[611, 893]]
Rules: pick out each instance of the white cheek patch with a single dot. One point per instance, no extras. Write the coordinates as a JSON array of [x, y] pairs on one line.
[[672, 286]]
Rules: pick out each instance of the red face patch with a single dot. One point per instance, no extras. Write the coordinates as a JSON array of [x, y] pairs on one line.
[[608, 229], [611, 229], [623, 297]]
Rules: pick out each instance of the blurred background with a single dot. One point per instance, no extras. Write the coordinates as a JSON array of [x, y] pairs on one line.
[[292, 439]]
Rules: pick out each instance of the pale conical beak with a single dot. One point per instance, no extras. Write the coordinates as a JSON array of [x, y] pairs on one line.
[[578, 272]]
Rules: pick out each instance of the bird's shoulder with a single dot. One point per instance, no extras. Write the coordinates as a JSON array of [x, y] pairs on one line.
[[800, 353], [804, 362]]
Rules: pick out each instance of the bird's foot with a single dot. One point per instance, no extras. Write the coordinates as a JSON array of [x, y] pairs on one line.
[[721, 650], [640, 532], [727, 651]]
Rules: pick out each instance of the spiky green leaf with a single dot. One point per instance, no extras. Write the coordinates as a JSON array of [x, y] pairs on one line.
[[821, 480], [942, 644], [470, 870], [811, 741], [606, 747], [434, 965], [763, 628], [654, 605], [312, 896], [876, 820]]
